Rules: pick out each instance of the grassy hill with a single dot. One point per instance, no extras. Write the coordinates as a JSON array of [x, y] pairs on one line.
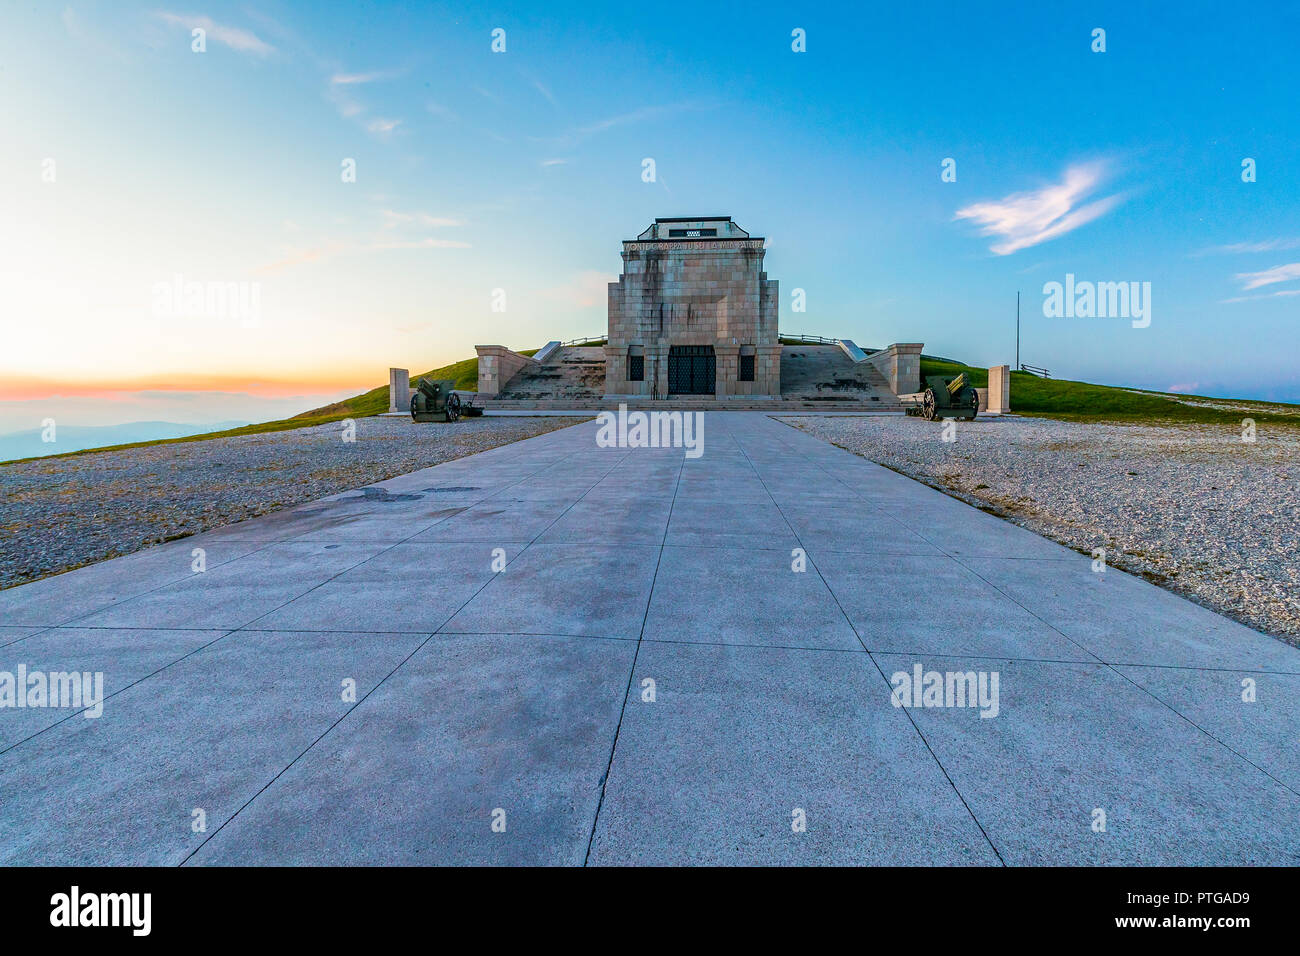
[[1082, 401]]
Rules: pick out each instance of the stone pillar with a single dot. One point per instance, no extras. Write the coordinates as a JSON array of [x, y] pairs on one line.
[[659, 376], [900, 363], [999, 389], [767, 370], [399, 390], [497, 365], [616, 383], [726, 365]]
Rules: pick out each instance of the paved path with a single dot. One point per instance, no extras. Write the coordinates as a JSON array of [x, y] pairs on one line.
[[228, 734]]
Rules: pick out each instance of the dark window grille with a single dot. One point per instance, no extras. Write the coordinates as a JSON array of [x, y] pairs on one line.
[[636, 368], [692, 233], [746, 368]]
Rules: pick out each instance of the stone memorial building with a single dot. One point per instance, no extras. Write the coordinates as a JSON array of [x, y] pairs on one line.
[[693, 321], [693, 314]]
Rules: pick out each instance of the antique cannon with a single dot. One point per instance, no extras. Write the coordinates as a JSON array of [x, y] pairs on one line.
[[437, 401], [947, 396]]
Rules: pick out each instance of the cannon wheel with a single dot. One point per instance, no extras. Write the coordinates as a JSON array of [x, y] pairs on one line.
[[415, 399], [453, 407], [928, 410]]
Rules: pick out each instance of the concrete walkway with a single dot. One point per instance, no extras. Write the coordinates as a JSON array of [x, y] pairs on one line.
[[648, 680]]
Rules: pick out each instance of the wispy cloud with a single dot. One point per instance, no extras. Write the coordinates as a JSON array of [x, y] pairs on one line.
[[1026, 219], [243, 41], [633, 116], [554, 162], [357, 79], [1237, 248], [542, 88], [393, 218], [333, 248], [437, 109], [341, 88], [425, 243], [1281, 293], [1254, 280], [575, 135], [383, 127]]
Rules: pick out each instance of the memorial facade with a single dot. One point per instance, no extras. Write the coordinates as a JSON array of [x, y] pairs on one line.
[[693, 314]]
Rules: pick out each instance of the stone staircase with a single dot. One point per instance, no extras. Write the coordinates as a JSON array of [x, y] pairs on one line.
[[823, 373], [813, 378], [569, 376]]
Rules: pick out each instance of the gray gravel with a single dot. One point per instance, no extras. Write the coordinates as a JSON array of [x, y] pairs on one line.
[[61, 513], [1191, 507]]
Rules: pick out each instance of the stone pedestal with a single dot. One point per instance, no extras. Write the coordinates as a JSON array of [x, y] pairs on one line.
[[999, 389], [399, 390]]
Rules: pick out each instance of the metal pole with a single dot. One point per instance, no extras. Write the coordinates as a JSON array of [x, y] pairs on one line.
[[1017, 329]]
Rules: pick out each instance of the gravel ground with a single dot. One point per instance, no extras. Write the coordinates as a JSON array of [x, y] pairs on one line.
[[1191, 507], [61, 513]]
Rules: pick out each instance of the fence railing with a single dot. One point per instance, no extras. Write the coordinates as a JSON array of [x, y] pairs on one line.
[[1035, 370], [589, 339], [812, 339]]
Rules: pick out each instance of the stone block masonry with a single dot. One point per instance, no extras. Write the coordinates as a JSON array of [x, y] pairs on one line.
[[693, 313], [497, 365]]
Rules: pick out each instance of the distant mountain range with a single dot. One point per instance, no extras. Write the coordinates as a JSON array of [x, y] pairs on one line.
[[28, 444]]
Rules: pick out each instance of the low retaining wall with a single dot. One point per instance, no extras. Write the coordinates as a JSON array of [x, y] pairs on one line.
[[497, 365], [900, 363]]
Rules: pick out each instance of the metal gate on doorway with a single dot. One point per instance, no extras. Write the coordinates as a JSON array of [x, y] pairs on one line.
[[691, 370]]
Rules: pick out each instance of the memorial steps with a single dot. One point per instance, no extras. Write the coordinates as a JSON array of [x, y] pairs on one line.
[[813, 378]]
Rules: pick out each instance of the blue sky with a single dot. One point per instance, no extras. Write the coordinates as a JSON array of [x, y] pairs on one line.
[[522, 171]]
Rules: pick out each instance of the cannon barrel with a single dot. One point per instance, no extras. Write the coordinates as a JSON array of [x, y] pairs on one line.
[[435, 401], [948, 396]]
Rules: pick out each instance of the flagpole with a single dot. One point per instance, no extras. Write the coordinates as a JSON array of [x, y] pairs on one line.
[[1017, 328]]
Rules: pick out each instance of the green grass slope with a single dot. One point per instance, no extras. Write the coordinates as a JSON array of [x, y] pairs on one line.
[[1082, 401]]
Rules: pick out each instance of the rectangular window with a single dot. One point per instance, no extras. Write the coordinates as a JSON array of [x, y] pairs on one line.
[[746, 368], [636, 368], [692, 233]]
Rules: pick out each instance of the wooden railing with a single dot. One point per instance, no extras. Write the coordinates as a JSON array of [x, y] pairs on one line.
[[588, 340], [1035, 370]]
